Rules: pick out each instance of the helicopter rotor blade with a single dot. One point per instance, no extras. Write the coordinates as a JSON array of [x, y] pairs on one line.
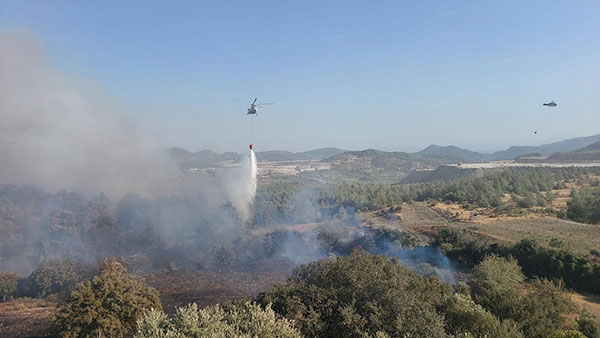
[[265, 103], [254, 100]]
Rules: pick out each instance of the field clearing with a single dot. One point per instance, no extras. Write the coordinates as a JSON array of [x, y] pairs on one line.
[[266, 168], [579, 237], [416, 218], [209, 287], [588, 301]]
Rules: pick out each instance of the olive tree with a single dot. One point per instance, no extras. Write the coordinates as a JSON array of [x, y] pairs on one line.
[[234, 321], [108, 305]]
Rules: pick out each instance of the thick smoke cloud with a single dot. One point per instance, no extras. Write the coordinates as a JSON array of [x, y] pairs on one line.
[[56, 133]]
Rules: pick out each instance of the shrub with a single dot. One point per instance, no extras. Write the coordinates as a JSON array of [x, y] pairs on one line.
[[567, 334], [584, 205], [544, 308], [358, 296], [496, 283], [223, 256], [588, 324], [8, 285], [49, 277], [465, 317], [238, 320], [107, 305]]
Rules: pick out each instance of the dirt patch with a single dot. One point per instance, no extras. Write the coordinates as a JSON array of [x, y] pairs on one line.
[[209, 287], [455, 212], [26, 317], [588, 301]]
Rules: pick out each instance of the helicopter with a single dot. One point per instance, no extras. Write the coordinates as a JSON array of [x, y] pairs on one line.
[[253, 107], [551, 104]]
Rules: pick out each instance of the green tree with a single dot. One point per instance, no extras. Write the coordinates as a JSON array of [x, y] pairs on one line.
[[242, 320], [8, 285], [50, 277], [360, 295], [584, 205], [495, 285], [544, 308], [567, 334], [223, 256], [498, 286], [463, 316], [108, 305], [589, 324]]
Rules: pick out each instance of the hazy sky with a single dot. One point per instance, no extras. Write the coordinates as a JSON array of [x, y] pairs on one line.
[[393, 75]]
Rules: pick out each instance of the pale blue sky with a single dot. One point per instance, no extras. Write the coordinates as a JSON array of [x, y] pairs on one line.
[[393, 75]]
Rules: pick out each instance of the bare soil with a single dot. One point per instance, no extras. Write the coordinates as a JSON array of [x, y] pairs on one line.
[[209, 287], [588, 301], [26, 317]]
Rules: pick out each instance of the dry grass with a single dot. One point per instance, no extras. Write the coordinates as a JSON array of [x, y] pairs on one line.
[[578, 237], [420, 217], [209, 287], [413, 216], [26, 317], [454, 211], [588, 301]]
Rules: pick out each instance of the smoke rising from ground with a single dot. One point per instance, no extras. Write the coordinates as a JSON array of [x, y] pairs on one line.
[[56, 133]]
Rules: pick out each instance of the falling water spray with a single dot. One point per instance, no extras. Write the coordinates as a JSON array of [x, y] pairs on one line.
[[243, 191], [253, 174]]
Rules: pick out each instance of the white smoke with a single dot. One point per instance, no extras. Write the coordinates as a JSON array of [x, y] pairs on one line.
[[57, 132]]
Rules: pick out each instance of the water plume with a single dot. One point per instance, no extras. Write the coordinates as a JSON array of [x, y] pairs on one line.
[[243, 195]]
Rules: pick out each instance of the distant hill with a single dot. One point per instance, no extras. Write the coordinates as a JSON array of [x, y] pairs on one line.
[[280, 155], [589, 153], [546, 149], [592, 148], [200, 159], [209, 158], [322, 153], [369, 153], [452, 154], [375, 165], [441, 173]]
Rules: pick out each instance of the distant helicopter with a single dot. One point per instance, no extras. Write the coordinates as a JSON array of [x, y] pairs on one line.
[[253, 107], [551, 104]]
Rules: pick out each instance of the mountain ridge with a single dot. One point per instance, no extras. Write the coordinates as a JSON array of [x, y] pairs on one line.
[[546, 149], [430, 155], [452, 153]]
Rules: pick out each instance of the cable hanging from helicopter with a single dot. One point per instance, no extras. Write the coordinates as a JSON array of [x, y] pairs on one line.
[[549, 104], [253, 110]]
